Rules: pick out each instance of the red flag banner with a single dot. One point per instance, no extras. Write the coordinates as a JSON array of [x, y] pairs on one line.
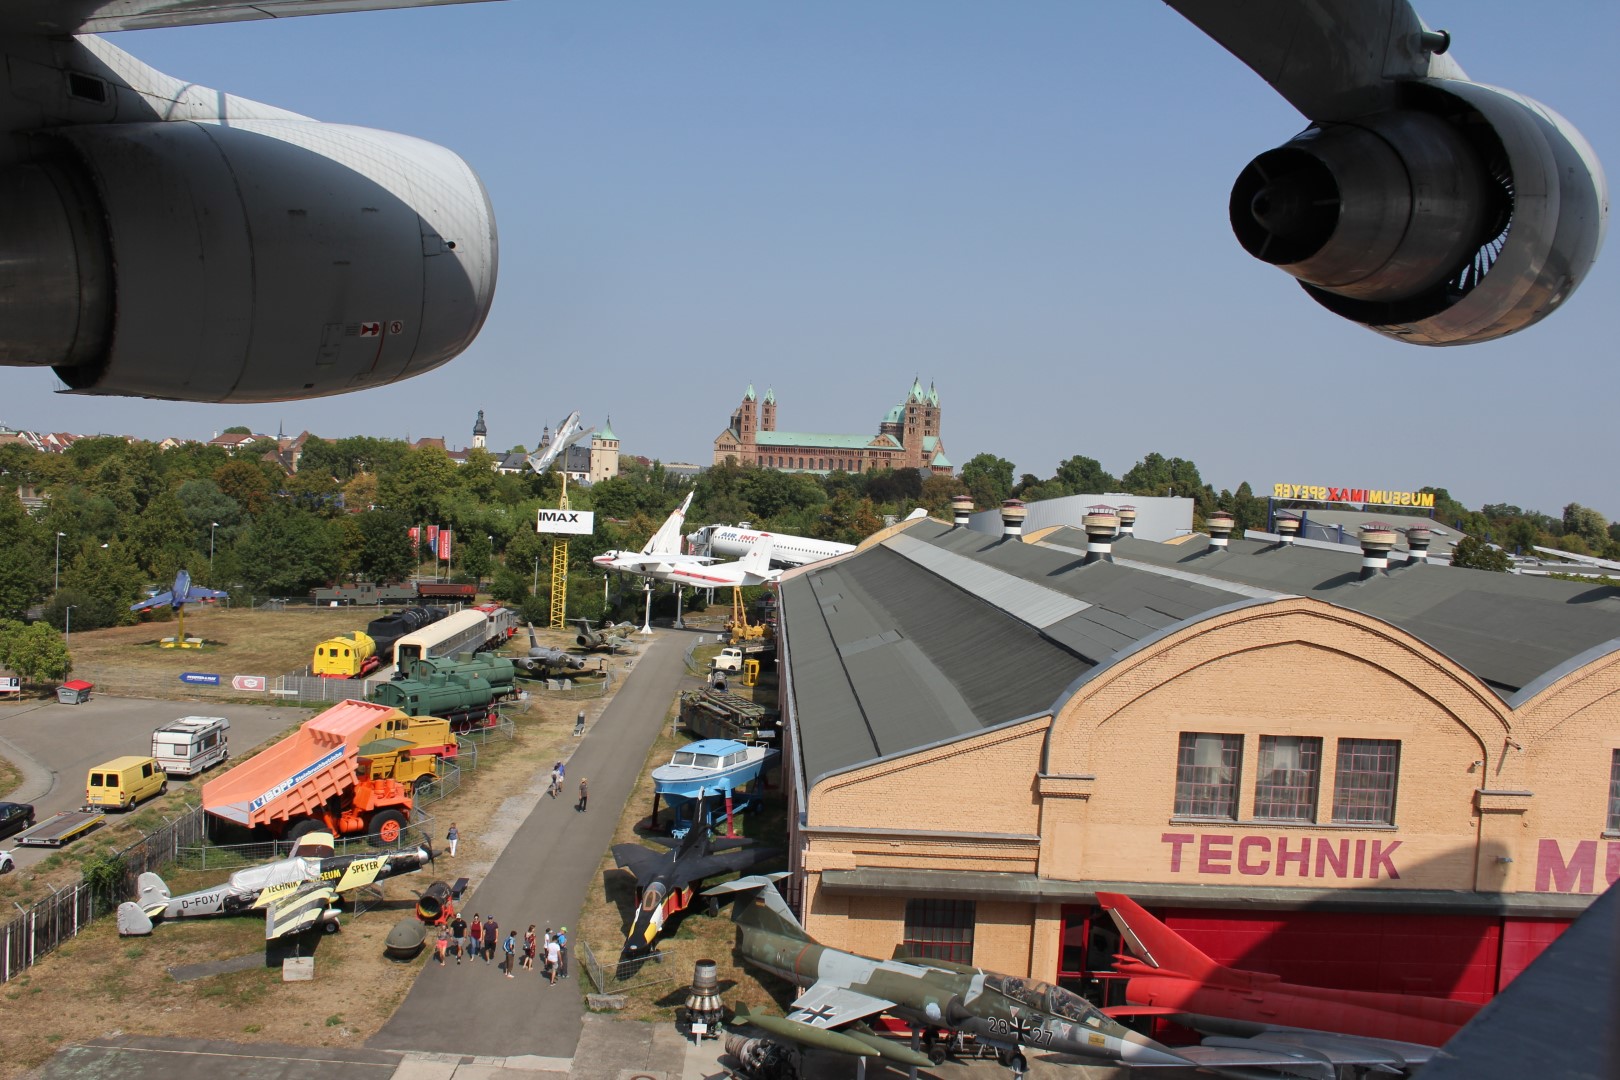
[[444, 545], [433, 536], [416, 536]]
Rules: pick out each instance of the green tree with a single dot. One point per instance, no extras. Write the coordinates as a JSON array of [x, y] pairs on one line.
[[26, 560], [161, 540], [246, 483], [1588, 524], [385, 554], [38, 654], [239, 429], [1158, 475], [421, 487], [110, 580], [989, 479], [287, 552], [1085, 476], [474, 556], [203, 505], [1475, 554]]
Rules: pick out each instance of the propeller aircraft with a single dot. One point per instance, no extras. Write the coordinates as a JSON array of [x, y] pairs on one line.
[[296, 893]]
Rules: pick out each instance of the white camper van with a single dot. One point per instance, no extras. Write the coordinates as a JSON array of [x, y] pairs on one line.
[[187, 746]]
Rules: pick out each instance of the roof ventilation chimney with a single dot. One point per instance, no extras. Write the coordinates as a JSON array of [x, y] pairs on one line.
[[1012, 519], [962, 505], [1101, 523], [1220, 525], [1418, 538], [1287, 529], [1376, 540], [1127, 521]]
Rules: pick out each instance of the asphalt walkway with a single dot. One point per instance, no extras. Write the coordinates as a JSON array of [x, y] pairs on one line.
[[541, 877]]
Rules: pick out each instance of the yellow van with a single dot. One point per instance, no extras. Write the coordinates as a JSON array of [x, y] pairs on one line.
[[123, 782]]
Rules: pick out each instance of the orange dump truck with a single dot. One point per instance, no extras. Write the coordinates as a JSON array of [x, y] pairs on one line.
[[309, 781]]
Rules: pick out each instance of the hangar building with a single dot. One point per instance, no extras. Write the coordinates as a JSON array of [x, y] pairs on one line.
[[1385, 779]]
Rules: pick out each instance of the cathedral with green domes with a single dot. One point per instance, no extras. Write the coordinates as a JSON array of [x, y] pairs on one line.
[[907, 438]]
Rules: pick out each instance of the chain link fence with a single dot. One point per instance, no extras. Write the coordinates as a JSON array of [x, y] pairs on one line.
[[62, 915], [207, 856], [616, 976]]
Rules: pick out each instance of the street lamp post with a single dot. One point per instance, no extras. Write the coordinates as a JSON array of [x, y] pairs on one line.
[[212, 525], [67, 624], [58, 587], [534, 590]]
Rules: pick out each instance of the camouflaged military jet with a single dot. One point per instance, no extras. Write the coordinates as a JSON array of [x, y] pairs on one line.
[[295, 894], [841, 989]]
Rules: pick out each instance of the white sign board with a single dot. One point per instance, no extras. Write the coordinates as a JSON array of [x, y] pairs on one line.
[[10, 684], [572, 522]]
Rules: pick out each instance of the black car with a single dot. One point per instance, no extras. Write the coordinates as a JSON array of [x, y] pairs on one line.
[[14, 817]]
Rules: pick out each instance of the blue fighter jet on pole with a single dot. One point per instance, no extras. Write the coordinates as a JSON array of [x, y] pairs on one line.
[[181, 593]]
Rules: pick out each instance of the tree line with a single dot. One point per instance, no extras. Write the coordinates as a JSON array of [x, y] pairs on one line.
[[118, 518]]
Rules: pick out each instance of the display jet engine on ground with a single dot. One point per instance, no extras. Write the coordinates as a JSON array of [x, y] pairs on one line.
[[162, 239], [295, 894], [845, 988], [609, 638]]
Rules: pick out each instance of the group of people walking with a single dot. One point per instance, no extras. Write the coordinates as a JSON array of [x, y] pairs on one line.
[[481, 939], [558, 772]]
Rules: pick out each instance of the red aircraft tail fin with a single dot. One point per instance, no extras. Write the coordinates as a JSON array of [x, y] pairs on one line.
[[1155, 943]]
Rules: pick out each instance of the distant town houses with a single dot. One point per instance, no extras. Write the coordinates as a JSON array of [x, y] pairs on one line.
[[585, 462]]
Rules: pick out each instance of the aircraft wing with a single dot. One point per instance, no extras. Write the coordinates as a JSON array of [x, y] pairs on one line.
[[298, 911], [643, 863], [705, 866], [162, 599], [1330, 59], [197, 594], [828, 1005], [104, 16]]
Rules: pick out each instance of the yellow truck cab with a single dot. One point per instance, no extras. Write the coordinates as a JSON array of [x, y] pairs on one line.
[[123, 782]]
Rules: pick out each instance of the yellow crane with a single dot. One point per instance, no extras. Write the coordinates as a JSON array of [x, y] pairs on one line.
[[559, 568], [568, 433]]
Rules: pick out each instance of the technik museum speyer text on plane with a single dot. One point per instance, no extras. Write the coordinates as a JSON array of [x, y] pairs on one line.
[[135, 207]]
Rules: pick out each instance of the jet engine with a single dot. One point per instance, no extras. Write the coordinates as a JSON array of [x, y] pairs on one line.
[[1464, 215], [241, 259]]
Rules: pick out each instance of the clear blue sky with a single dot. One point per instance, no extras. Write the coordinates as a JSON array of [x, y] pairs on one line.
[[1025, 203]]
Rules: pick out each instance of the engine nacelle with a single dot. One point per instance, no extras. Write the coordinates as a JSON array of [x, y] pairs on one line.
[[1467, 215], [239, 261]]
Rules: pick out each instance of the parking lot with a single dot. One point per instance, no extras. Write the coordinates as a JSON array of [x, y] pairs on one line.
[[55, 745]]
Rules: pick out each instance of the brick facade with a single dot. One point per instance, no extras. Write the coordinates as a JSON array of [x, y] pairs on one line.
[[1492, 798]]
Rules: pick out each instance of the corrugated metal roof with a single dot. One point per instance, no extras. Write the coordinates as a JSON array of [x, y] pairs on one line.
[[1507, 629], [938, 632], [887, 658], [1023, 600]]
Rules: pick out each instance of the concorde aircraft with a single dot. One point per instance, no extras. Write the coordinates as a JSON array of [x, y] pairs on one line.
[[163, 239], [660, 554]]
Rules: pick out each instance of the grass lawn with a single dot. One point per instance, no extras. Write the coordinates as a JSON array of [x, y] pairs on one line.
[[9, 778], [128, 660]]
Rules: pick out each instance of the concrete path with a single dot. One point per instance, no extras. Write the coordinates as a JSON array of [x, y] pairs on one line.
[[541, 878]]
